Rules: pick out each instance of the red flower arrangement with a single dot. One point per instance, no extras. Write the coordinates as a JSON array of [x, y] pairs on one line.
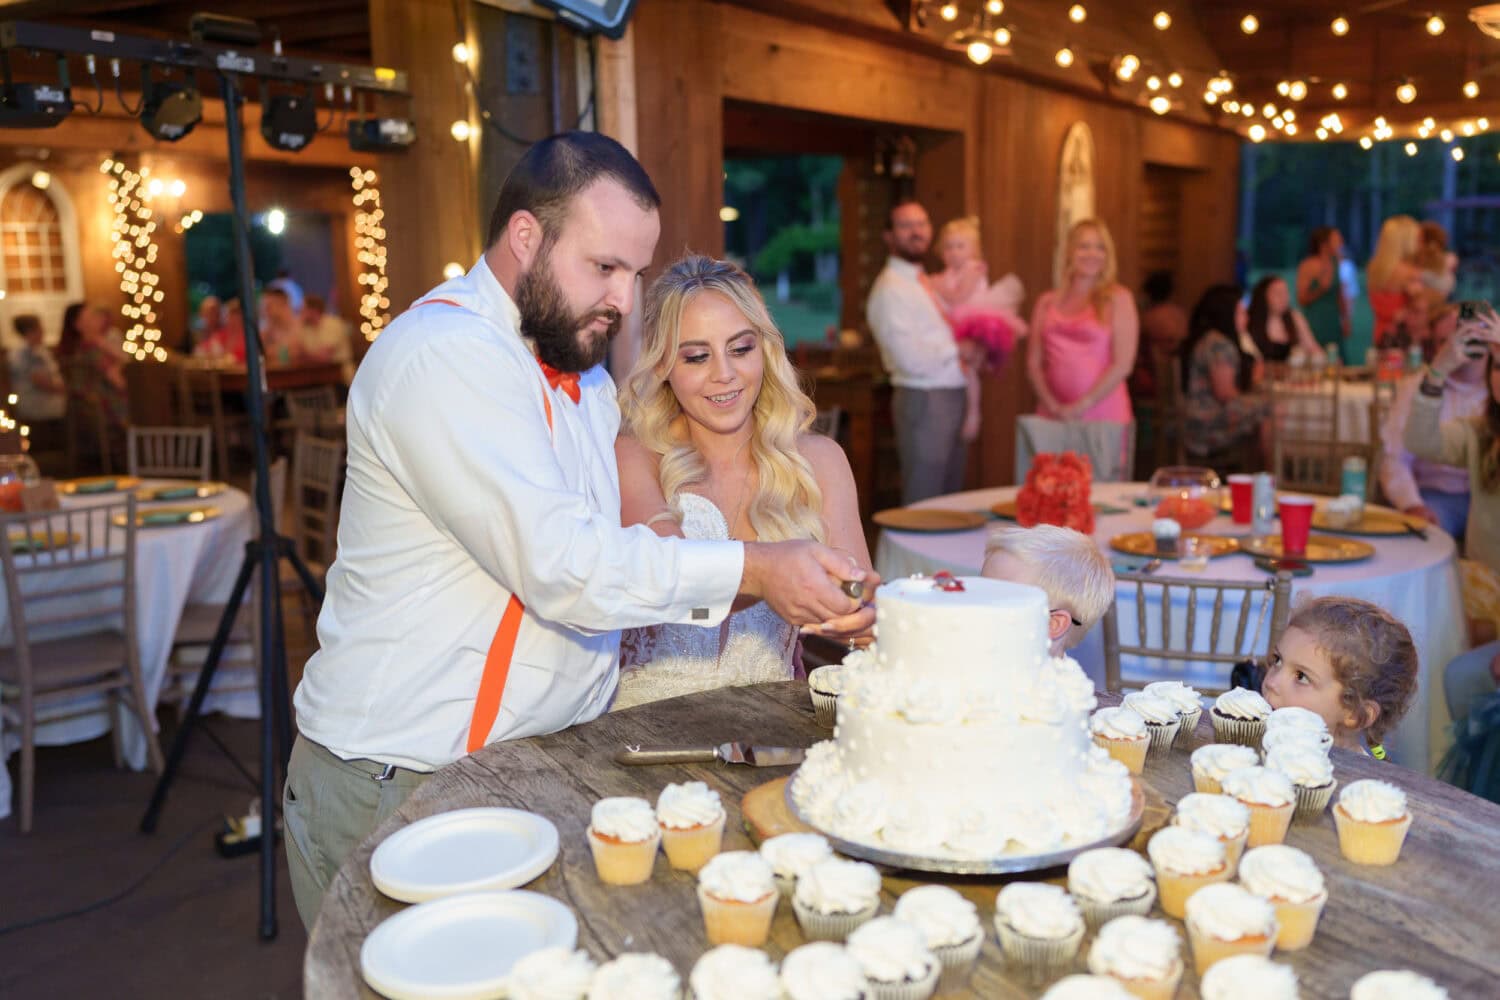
[[1057, 492]]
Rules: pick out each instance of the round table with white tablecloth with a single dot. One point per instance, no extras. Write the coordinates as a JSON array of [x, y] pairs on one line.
[[1415, 579], [175, 565]]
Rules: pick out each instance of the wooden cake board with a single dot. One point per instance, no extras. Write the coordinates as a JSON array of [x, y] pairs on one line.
[[766, 814]]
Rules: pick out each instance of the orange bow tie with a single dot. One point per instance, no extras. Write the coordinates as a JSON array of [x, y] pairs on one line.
[[567, 381]]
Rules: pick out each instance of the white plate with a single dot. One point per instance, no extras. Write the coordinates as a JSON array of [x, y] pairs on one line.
[[462, 947], [466, 850]]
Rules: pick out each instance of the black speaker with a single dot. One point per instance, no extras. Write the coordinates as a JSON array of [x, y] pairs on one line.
[[289, 121], [601, 17]]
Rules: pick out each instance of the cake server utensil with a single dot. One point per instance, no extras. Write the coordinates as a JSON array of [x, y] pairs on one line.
[[728, 753]]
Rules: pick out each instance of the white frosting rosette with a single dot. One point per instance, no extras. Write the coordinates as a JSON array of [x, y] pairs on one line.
[[1373, 801], [1180, 851], [1278, 872], [1248, 977], [1137, 949], [1259, 786], [895, 959], [1082, 987], [551, 974], [624, 818], [689, 804], [1040, 925], [1118, 723], [834, 896], [1239, 716], [1296, 717], [1228, 912], [734, 972], [1212, 762], [739, 876], [791, 854], [1220, 816], [1109, 882], [1396, 984], [1070, 679], [1311, 774], [950, 925], [636, 976], [823, 971], [1160, 715], [1184, 698]]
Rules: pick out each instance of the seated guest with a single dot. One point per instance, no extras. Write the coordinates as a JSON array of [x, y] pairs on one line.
[[35, 376], [1276, 329], [1348, 661], [715, 444], [91, 365], [1164, 324], [209, 318], [280, 328], [228, 341], [1434, 492], [1079, 582], [322, 337], [1221, 411]]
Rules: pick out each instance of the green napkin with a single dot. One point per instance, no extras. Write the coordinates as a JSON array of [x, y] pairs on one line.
[[165, 516], [95, 486], [174, 493], [1107, 508]]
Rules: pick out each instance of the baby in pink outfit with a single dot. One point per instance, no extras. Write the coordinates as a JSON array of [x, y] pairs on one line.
[[985, 317]]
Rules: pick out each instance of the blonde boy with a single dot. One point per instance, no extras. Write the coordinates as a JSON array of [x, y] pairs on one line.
[[1066, 564]]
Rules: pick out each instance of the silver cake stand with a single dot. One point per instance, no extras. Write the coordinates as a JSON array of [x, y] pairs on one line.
[[1003, 864]]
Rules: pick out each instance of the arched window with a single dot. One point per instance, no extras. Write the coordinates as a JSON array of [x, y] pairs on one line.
[[40, 269]]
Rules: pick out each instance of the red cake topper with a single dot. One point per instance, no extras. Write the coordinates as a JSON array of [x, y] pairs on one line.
[[944, 580]]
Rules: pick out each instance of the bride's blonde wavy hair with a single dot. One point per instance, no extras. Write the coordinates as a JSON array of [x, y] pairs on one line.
[[787, 503]]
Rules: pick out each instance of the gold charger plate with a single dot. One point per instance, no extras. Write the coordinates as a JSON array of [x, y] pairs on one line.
[[90, 485], [1320, 548], [1010, 510], [166, 516], [180, 489], [1143, 543], [928, 519], [1377, 520], [22, 542]]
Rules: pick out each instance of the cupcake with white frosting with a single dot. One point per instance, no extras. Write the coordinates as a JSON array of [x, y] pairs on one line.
[[1269, 796], [738, 895], [1396, 984], [1210, 763], [791, 854], [1226, 919], [636, 976], [1239, 716], [1184, 698], [1039, 924], [1249, 977], [823, 971], [1109, 882], [950, 925], [734, 972], [1167, 534], [1307, 724], [826, 683], [1081, 987], [1143, 955], [1160, 715], [895, 958], [551, 974], [1224, 818], [1185, 861], [692, 824], [623, 835], [1289, 880], [1311, 774], [1372, 819], [1123, 733], [834, 896]]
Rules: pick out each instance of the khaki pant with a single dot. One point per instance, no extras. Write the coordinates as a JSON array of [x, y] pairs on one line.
[[329, 806]]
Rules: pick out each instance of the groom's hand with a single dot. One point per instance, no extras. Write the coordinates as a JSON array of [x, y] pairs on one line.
[[801, 580]]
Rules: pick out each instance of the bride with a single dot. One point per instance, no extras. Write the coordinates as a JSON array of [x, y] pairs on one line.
[[714, 444]]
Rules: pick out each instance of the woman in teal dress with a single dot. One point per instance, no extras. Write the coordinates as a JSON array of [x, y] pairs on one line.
[[1319, 291]]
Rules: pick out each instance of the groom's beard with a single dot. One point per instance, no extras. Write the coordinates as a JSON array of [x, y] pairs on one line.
[[552, 325]]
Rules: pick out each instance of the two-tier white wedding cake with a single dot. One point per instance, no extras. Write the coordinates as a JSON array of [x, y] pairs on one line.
[[959, 737]]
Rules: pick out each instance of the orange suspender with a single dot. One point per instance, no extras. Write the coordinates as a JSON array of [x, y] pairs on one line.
[[502, 646]]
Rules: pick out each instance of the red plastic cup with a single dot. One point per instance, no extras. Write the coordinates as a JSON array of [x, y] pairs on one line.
[[1241, 488], [1296, 524]]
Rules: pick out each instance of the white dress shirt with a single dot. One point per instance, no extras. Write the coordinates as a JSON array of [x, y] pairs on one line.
[[457, 497], [916, 343], [1402, 475]]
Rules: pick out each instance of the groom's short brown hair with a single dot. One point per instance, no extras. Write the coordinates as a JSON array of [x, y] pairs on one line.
[[552, 171]]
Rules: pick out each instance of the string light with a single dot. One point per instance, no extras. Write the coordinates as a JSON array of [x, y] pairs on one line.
[[1471, 89], [1411, 149], [1484, 124], [369, 245], [948, 12], [996, 7], [1429, 123], [1291, 128], [1322, 134], [1233, 107], [1446, 135], [134, 254], [1209, 97], [1297, 91], [1257, 132], [1435, 25], [41, 180], [1174, 80], [452, 269], [1064, 57], [980, 51], [1340, 91], [1340, 26], [1248, 110], [1458, 153], [1077, 14], [1283, 88], [1162, 20], [1002, 37], [461, 130], [1466, 129], [1406, 93], [1127, 68], [461, 53], [1365, 142], [1160, 104], [1153, 83], [1250, 24], [1269, 111]]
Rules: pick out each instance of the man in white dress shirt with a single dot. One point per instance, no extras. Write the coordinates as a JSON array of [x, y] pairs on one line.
[[482, 571], [921, 356]]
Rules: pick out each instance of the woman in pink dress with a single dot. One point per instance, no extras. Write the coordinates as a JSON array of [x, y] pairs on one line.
[[1392, 277], [1084, 334]]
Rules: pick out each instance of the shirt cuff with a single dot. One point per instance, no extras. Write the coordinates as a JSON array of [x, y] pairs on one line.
[[708, 581]]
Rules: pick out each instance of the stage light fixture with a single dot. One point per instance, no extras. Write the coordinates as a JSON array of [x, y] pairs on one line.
[[169, 109], [289, 121], [34, 105], [373, 135]]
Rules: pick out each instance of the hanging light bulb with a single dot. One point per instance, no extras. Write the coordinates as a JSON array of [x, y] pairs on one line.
[[1250, 24], [1458, 153], [1247, 110], [1406, 93], [1174, 80], [1291, 128], [1209, 97], [461, 53], [1466, 129], [41, 180], [1064, 57], [1435, 25], [1380, 121], [1153, 83], [1365, 142], [1446, 135], [979, 52], [948, 11], [453, 269], [1283, 88], [1322, 134], [1269, 111], [996, 7], [1162, 20], [1002, 37], [1077, 14], [1340, 26], [1471, 89], [1233, 107], [1484, 124], [1340, 91], [1297, 91], [1257, 132], [1289, 115], [461, 130], [1160, 104], [1278, 122]]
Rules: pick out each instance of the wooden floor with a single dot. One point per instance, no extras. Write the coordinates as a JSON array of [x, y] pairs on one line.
[[190, 929]]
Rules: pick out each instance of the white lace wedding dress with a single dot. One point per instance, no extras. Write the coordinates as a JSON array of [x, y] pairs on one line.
[[751, 646]]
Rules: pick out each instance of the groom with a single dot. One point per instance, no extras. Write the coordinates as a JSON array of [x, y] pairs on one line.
[[482, 571]]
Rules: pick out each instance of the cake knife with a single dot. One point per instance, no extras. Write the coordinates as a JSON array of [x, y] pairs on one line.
[[728, 753]]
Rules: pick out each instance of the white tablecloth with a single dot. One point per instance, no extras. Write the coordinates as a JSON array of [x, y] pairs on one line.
[[175, 565], [1416, 580], [1354, 411]]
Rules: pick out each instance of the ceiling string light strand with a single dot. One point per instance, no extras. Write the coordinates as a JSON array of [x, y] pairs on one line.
[[369, 247], [134, 251]]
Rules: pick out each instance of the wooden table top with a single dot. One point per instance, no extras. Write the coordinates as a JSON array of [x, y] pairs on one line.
[[1432, 911]]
